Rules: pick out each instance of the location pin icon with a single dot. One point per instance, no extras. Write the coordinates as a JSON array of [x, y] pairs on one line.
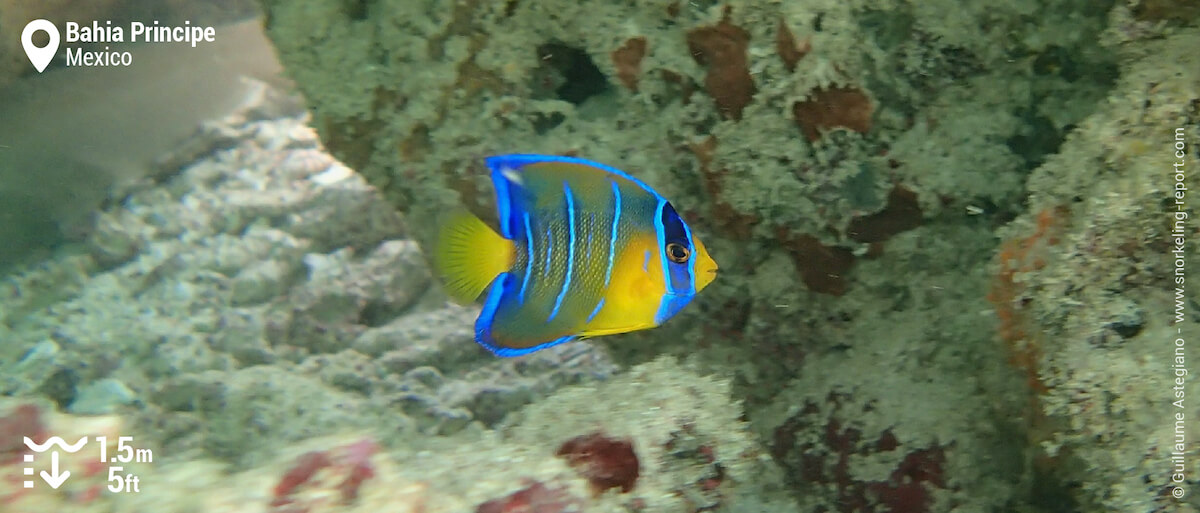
[[40, 57]]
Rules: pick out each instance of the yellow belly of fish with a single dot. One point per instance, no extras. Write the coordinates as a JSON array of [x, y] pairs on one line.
[[635, 292]]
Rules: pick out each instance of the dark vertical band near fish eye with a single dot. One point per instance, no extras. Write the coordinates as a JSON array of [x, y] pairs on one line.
[[677, 236], [660, 228], [673, 227]]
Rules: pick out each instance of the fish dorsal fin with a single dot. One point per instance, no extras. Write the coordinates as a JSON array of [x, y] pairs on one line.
[[527, 182]]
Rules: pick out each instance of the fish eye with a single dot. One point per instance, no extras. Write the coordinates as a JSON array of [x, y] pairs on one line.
[[678, 253]]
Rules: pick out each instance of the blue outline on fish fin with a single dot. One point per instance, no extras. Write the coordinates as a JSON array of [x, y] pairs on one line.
[[671, 305], [517, 160], [503, 202], [483, 324], [508, 352]]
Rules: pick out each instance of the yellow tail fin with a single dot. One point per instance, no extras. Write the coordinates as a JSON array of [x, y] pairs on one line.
[[469, 255]]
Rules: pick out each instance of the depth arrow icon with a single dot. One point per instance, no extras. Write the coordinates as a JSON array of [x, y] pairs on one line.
[[53, 478]]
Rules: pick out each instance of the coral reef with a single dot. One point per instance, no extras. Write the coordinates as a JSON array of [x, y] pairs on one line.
[[1086, 289], [912, 437], [659, 438], [259, 282], [835, 107], [350, 462], [690, 454], [944, 249], [682, 425], [628, 61], [722, 49], [849, 162], [482, 78]]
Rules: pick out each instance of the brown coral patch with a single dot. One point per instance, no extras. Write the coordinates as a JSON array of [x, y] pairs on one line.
[[790, 50], [822, 267], [1020, 255], [628, 61], [722, 48], [901, 214], [835, 107]]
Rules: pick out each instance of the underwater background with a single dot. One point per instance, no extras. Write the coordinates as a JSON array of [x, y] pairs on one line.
[[949, 235]]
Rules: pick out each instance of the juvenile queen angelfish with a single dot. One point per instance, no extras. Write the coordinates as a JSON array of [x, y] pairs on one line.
[[584, 250]]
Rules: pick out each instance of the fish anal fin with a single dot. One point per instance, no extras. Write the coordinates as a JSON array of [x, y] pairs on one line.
[[504, 328], [518, 351]]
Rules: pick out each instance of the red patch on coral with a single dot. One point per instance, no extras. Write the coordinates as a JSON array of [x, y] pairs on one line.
[[822, 267], [23, 421], [356, 458], [902, 213], [905, 489], [722, 48], [836, 107], [347, 465], [605, 462], [789, 49], [302, 471], [628, 61], [535, 498]]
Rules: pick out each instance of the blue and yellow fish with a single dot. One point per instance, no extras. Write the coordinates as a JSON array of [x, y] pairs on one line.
[[584, 250]]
